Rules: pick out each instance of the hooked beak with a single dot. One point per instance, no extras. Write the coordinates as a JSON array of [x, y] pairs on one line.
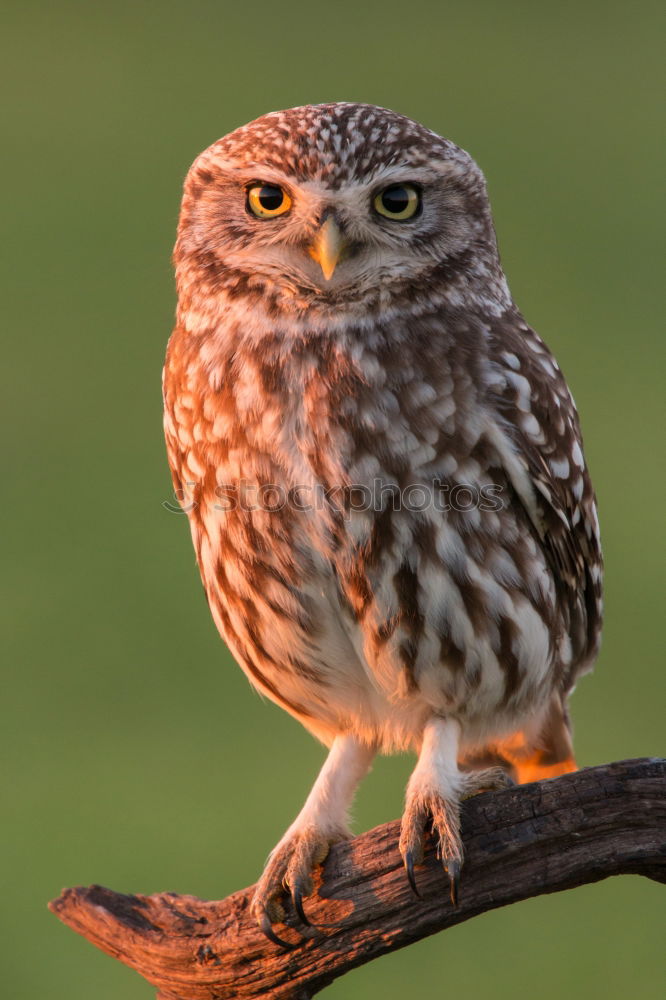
[[328, 247]]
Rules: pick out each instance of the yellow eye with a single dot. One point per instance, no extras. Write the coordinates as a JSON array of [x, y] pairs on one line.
[[398, 201], [267, 200]]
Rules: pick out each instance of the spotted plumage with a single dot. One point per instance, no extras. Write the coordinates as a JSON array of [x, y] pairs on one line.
[[382, 466]]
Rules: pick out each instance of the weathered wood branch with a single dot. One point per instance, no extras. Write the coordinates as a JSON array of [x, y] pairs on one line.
[[522, 842]]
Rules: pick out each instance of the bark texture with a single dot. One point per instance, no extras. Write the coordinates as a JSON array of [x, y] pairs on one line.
[[522, 842]]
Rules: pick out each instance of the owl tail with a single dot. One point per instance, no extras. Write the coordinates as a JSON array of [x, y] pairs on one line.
[[534, 754]]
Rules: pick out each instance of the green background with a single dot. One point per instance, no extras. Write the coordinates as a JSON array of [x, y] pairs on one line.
[[135, 753]]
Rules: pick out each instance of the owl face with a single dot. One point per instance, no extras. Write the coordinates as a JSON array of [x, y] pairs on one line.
[[327, 204]]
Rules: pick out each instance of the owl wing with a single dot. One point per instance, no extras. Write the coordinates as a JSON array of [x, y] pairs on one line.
[[539, 440]]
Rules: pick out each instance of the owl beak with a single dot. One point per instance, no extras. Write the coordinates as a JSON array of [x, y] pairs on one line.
[[328, 247]]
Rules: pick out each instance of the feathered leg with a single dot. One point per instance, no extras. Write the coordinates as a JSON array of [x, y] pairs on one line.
[[321, 822], [434, 793]]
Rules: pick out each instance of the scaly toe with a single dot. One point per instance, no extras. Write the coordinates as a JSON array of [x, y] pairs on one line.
[[266, 906], [453, 868], [443, 814], [490, 779], [411, 846], [288, 873]]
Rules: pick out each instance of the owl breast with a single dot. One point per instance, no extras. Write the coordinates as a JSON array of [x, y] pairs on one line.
[[363, 532]]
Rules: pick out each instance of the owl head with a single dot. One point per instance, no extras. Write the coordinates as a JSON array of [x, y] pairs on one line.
[[335, 207]]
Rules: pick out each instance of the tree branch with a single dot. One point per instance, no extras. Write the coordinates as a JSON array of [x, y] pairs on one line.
[[522, 842]]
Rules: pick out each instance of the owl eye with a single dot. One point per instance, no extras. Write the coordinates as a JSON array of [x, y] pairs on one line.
[[267, 200], [398, 201]]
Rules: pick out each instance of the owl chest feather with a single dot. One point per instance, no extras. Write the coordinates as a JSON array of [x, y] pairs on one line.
[[346, 584]]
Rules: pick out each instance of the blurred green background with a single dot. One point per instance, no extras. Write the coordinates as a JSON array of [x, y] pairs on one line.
[[135, 753]]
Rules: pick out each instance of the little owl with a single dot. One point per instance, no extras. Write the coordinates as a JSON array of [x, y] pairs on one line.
[[382, 468]]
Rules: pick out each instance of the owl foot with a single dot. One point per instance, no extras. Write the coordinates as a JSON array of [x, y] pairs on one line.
[[289, 872], [321, 822], [429, 808]]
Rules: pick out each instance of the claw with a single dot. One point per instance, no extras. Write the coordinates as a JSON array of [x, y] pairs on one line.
[[297, 899], [453, 870], [266, 928], [409, 865]]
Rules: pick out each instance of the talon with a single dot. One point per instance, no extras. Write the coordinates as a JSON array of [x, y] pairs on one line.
[[453, 870], [266, 928], [297, 899], [411, 878]]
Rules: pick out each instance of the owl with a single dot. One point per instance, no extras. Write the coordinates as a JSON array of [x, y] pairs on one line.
[[383, 471]]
